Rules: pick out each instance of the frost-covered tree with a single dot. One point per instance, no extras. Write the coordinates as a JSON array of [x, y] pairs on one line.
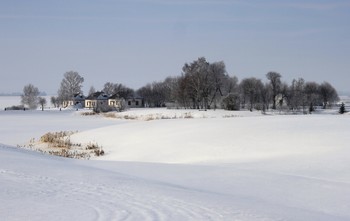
[[55, 101], [71, 84], [30, 96], [42, 102]]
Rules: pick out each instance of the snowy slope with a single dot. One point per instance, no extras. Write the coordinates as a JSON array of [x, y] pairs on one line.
[[47, 188], [222, 140], [205, 168]]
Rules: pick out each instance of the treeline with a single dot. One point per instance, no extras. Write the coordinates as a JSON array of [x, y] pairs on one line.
[[204, 85]]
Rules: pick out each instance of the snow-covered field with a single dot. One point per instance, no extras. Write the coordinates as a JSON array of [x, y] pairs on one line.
[[214, 165]]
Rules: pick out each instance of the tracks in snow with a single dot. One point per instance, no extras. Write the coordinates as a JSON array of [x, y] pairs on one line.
[[112, 199]]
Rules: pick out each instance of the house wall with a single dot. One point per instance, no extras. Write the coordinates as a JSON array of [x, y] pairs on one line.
[[67, 103], [114, 103], [90, 103], [134, 103]]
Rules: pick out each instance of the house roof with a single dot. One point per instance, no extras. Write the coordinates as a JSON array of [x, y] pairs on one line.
[[100, 95], [79, 96], [114, 96], [135, 96]]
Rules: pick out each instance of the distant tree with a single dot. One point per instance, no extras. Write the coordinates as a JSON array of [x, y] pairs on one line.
[[198, 82], [283, 94], [251, 91], [55, 101], [217, 78], [230, 85], [265, 94], [312, 94], [123, 91], [42, 102], [71, 84], [328, 94], [155, 94], [30, 96], [183, 94], [170, 85], [92, 90], [275, 81], [231, 102], [296, 98], [119, 89], [108, 88], [342, 108]]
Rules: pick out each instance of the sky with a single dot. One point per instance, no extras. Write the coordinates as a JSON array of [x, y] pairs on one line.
[[135, 42]]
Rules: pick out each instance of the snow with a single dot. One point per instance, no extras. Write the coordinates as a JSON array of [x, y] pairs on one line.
[[217, 165]]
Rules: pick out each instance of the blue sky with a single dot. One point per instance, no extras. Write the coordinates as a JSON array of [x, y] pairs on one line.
[[135, 42]]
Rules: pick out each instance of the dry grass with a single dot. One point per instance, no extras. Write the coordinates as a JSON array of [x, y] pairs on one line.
[[110, 115], [89, 113], [59, 144]]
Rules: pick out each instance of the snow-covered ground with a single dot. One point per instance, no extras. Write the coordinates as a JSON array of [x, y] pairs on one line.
[[215, 165]]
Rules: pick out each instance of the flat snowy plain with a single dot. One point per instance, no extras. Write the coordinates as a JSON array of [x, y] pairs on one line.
[[217, 165]]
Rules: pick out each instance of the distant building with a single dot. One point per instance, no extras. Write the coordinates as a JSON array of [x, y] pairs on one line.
[[115, 101], [78, 100], [95, 99], [135, 101]]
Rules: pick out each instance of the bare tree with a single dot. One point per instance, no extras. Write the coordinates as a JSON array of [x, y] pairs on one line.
[[71, 84], [275, 81], [108, 88], [183, 94], [328, 94], [296, 95], [92, 90], [251, 91], [311, 91], [119, 89], [199, 86], [42, 102], [30, 96], [266, 94], [231, 102], [216, 84], [230, 85], [155, 94], [55, 101]]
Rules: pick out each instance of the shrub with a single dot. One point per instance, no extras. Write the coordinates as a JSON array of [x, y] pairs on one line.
[[18, 107], [57, 139], [103, 108], [88, 113], [342, 108]]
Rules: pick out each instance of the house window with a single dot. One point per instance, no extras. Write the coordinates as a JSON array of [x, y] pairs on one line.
[[137, 103], [129, 103]]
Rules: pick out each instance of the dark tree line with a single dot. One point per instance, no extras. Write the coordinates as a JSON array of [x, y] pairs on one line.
[[204, 85], [119, 89]]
